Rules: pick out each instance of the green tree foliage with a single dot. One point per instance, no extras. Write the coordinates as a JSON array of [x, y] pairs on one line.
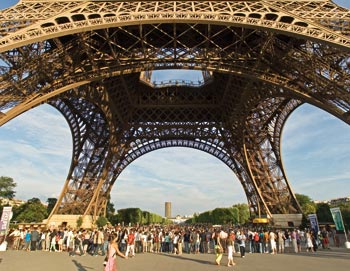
[[136, 215], [110, 210], [101, 221], [205, 217], [306, 204], [145, 217], [130, 215], [110, 213], [238, 214], [345, 211], [243, 213], [32, 211], [51, 202], [323, 212], [307, 207], [7, 186], [79, 222], [113, 219], [222, 215]]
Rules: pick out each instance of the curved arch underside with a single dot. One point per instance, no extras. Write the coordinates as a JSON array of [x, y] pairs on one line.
[[93, 62]]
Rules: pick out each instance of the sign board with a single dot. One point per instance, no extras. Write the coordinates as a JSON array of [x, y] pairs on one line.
[[337, 218], [5, 218]]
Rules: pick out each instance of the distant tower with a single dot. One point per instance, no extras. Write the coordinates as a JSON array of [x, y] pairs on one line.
[[168, 209]]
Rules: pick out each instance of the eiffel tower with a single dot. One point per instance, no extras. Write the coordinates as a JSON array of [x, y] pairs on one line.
[[93, 60]]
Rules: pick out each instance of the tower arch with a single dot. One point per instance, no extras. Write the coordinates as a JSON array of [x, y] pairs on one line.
[[265, 59]]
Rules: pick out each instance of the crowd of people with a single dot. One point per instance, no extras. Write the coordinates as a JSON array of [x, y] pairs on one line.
[[175, 239]]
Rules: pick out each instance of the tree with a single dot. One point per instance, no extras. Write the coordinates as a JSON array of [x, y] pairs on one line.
[[306, 204], [79, 222], [114, 219], [101, 221], [134, 216], [32, 211], [205, 217], [222, 215], [130, 215], [7, 186], [345, 210], [216, 216], [243, 212], [307, 207], [51, 202], [323, 212], [110, 210]]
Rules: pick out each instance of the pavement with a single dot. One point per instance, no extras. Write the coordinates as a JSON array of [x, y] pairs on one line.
[[335, 259]]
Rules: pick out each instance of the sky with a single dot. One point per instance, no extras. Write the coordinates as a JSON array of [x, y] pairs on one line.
[[36, 147]]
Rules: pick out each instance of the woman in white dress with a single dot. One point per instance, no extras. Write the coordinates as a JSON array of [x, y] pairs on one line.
[[309, 244]]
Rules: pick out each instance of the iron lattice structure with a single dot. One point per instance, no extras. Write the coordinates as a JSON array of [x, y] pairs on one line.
[[93, 60]]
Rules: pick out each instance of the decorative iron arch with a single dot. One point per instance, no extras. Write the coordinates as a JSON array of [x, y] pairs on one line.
[[88, 16]]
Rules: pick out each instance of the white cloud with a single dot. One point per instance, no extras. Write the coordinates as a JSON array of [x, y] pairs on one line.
[[36, 150]]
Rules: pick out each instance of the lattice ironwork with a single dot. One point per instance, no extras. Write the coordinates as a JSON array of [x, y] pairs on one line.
[[89, 59]]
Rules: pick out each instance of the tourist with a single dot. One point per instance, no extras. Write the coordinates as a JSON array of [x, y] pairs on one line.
[[219, 250], [179, 243], [266, 241], [196, 241], [130, 248], [86, 240], [280, 239], [309, 244], [294, 240], [325, 238], [187, 241], [53, 241], [16, 234], [241, 241], [60, 239], [272, 237], [156, 241], [113, 250], [27, 240], [230, 244], [77, 244], [105, 241], [34, 238], [98, 242]]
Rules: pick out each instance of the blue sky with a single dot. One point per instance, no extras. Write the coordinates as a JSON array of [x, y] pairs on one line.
[[35, 150]]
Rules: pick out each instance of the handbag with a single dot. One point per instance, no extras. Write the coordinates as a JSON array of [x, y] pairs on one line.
[[105, 261], [219, 250]]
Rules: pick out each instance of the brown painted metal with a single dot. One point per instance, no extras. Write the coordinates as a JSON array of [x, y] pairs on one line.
[[92, 60]]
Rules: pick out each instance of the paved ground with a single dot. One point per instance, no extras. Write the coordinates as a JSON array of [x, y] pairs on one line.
[[324, 260]]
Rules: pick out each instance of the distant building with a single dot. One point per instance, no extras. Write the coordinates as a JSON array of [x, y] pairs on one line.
[[168, 209], [179, 219], [12, 202], [321, 201], [339, 201], [333, 202]]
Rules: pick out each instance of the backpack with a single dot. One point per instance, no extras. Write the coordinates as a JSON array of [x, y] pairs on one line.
[[156, 238], [256, 237]]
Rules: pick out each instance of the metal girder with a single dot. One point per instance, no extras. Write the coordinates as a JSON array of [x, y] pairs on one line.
[[72, 17], [89, 59]]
